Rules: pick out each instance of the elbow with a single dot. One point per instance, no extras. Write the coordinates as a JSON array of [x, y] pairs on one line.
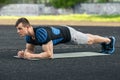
[[50, 54]]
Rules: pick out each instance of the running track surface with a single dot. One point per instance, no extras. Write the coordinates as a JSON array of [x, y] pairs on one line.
[[85, 68]]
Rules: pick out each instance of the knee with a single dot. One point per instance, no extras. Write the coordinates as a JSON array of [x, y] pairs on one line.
[[50, 54], [90, 41]]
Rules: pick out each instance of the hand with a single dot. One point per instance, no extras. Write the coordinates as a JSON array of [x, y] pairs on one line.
[[20, 54], [27, 55]]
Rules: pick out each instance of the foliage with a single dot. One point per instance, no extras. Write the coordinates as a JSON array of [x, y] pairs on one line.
[[5, 1], [103, 1], [65, 3]]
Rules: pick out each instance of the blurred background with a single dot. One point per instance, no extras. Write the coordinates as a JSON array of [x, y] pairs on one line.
[[58, 7], [63, 12]]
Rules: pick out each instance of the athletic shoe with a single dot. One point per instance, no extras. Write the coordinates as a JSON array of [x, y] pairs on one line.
[[108, 48], [111, 46]]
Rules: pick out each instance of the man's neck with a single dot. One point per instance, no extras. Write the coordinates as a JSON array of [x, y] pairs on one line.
[[31, 32]]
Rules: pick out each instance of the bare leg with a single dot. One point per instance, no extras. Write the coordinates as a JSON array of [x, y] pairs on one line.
[[97, 39]]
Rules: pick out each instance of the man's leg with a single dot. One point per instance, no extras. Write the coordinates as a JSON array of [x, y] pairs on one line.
[[92, 39], [106, 43]]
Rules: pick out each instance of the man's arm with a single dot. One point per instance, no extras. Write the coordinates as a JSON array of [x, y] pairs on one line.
[[29, 49], [47, 51]]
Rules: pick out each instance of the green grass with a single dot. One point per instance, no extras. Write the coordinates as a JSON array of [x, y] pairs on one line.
[[71, 17]]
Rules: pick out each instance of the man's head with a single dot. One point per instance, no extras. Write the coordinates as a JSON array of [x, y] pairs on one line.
[[22, 20], [22, 25]]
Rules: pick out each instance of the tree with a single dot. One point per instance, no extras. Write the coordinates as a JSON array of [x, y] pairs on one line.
[[65, 3], [5, 1], [103, 1]]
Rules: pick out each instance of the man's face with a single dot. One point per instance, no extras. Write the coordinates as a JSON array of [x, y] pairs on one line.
[[21, 30]]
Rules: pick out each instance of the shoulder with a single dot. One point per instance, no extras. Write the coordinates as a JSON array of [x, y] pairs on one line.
[[40, 30], [41, 34]]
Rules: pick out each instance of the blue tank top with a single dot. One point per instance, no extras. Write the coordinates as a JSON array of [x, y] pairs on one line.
[[45, 34]]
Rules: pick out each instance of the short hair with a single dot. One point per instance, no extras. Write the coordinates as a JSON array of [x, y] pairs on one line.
[[22, 20]]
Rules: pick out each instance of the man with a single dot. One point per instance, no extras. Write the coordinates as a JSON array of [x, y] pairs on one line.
[[47, 37]]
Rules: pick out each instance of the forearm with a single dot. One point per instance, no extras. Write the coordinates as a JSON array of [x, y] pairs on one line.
[[47, 51], [42, 55]]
